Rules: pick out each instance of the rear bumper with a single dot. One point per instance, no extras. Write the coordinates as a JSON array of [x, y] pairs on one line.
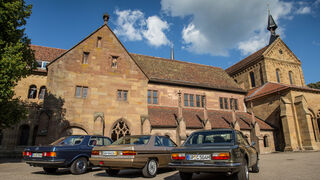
[[200, 167], [46, 163], [118, 163]]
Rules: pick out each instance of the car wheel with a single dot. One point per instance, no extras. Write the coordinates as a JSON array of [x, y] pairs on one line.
[[255, 168], [185, 175], [112, 172], [150, 169], [50, 170], [243, 174], [79, 166]]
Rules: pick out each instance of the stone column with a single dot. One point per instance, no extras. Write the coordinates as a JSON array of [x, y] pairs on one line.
[[255, 131], [181, 130], [305, 123], [206, 122]]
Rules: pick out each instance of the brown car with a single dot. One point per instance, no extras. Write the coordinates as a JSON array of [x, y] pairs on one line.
[[146, 152]]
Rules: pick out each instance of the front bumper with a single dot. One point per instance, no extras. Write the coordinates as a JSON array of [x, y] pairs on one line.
[[118, 163], [222, 167]]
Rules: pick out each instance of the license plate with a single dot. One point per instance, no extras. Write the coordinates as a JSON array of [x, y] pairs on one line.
[[109, 153], [37, 155], [198, 157]]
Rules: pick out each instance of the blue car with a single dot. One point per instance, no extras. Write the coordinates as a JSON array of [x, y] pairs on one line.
[[68, 152]]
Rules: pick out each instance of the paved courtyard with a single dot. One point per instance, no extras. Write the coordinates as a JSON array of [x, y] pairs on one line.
[[282, 166]]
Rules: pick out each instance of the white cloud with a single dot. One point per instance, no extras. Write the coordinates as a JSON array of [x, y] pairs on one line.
[[304, 10], [129, 24], [133, 26], [218, 26], [155, 31]]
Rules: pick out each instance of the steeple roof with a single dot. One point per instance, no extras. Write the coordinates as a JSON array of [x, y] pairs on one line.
[[271, 23]]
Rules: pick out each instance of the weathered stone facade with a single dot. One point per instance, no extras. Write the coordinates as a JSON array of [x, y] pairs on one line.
[[280, 96]]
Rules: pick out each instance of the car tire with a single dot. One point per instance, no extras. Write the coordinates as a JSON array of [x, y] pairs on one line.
[[50, 170], [255, 168], [243, 174], [112, 172], [185, 175], [150, 169], [79, 166]]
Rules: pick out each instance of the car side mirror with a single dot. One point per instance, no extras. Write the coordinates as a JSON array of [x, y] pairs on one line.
[[253, 143]]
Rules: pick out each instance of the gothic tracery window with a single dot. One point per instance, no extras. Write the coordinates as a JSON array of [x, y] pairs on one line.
[[119, 129]]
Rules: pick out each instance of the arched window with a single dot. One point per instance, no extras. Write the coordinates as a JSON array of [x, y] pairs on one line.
[[291, 77], [253, 81], [119, 129], [32, 93], [23, 135], [265, 141], [278, 75], [42, 92]]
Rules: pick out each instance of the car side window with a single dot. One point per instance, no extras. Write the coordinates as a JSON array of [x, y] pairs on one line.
[[106, 141], [157, 142], [96, 141], [167, 142]]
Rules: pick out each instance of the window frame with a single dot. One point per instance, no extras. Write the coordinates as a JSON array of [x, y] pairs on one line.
[[81, 88], [85, 57], [123, 95], [186, 99], [252, 79]]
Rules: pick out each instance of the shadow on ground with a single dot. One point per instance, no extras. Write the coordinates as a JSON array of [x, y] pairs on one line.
[[63, 171], [11, 160], [131, 173]]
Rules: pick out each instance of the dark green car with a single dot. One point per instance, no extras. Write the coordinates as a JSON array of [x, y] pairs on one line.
[[216, 151]]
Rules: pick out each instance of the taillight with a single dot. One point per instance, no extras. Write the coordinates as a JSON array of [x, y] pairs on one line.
[[220, 156], [26, 153], [95, 153], [178, 156], [49, 154], [129, 153]]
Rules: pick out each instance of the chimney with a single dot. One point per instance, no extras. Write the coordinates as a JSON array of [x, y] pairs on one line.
[[105, 18]]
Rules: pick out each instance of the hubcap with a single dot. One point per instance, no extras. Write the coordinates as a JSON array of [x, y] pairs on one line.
[[152, 166], [80, 165]]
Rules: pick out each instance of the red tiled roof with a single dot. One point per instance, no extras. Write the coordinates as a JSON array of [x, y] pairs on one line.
[[185, 73], [246, 61], [166, 117], [270, 88], [46, 53], [163, 116]]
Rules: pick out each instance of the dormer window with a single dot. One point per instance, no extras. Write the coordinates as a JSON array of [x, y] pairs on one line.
[[42, 64], [114, 63]]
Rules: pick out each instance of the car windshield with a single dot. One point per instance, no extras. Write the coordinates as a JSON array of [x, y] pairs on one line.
[[133, 140], [70, 140], [210, 137]]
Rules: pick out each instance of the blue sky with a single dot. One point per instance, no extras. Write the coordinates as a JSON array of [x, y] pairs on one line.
[[211, 32]]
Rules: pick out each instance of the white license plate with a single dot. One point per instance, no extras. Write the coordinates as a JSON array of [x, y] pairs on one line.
[[199, 157], [109, 153], [37, 155]]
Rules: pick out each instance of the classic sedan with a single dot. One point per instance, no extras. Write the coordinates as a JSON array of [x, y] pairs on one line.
[[68, 152], [216, 151], [146, 152]]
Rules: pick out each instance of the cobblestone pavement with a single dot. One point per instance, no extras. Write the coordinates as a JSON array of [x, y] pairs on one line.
[[282, 166]]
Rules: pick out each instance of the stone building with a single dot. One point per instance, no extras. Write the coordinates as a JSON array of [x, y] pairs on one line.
[[277, 94], [98, 87]]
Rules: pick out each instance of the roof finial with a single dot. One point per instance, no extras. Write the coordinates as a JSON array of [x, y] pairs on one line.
[[172, 53], [106, 18], [272, 26]]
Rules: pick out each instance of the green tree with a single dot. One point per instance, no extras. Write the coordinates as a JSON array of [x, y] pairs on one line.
[[16, 58], [314, 85]]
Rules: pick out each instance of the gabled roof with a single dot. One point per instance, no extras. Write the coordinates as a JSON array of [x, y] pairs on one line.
[[253, 58], [167, 117], [270, 88], [185, 73], [46, 53]]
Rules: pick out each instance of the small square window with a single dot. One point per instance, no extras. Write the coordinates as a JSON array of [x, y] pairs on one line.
[[85, 57], [191, 100], [198, 100], [221, 103], [122, 95], [186, 99], [84, 92], [81, 91], [114, 63], [226, 106], [149, 96], [78, 91], [155, 97]]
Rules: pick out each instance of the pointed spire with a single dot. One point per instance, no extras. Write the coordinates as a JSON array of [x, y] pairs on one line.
[[272, 26], [172, 53]]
